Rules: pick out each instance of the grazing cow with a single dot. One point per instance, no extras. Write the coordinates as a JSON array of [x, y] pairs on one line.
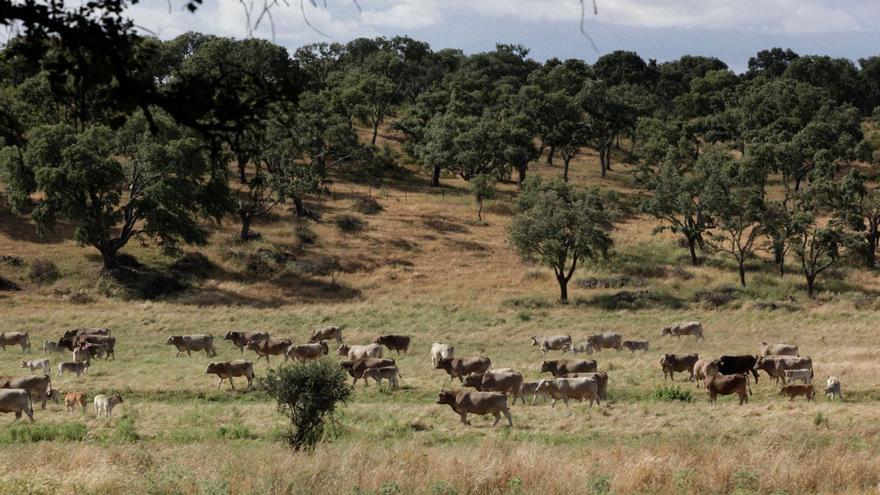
[[189, 343], [308, 352], [704, 368], [571, 388], [671, 363], [78, 368], [635, 345], [356, 369], [775, 366], [559, 367], [327, 333], [601, 379], [266, 347], [240, 339], [81, 355], [694, 328], [462, 367], [601, 341], [17, 401], [805, 376], [832, 388], [793, 391], [731, 365], [390, 373], [73, 399], [719, 384], [394, 342], [441, 351], [502, 370], [15, 338], [37, 364], [358, 352], [581, 347], [778, 349], [230, 369], [102, 351], [464, 403], [508, 383], [531, 389], [49, 346], [68, 339], [40, 387], [108, 342], [104, 405], [552, 343]]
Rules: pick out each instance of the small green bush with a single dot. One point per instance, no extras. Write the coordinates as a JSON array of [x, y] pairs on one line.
[[43, 432], [671, 394], [368, 206], [304, 234], [599, 484], [125, 430], [350, 223], [43, 272]]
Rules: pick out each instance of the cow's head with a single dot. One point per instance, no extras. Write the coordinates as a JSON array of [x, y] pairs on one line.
[[117, 399], [324, 348], [343, 350], [379, 340], [232, 335], [24, 364], [446, 397], [548, 366], [666, 360], [444, 364], [666, 331], [174, 339], [213, 368], [473, 380], [544, 385], [761, 364], [534, 340]]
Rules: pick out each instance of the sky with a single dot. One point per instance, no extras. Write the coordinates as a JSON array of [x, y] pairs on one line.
[[732, 30]]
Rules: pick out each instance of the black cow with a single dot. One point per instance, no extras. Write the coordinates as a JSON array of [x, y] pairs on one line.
[[731, 365]]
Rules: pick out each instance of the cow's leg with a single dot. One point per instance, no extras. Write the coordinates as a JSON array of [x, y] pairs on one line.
[[463, 418], [231, 383], [508, 416], [219, 382], [497, 418]]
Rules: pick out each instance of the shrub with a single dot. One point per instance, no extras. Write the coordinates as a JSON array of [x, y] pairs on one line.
[[308, 395], [350, 223], [599, 485], [612, 282], [125, 430], [715, 297], [639, 299], [671, 394], [43, 272], [321, 267], [194, 264], [43, 432], [304, 234], [368, 206], [153, 285], [13, 261], [80, 297]]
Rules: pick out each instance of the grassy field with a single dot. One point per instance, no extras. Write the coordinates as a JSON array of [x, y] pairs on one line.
[[425, 267]]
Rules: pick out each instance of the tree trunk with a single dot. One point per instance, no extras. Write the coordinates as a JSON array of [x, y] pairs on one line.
[[298, 209], [108, 257], [550, 155], [779, 257], [797, 184], [871, 251], [435, 176], [692, 247], [742, 273], [563, 288], [375, 132], [480, 210], [811, 282], [602, 166], [241, 161], [521, 177], [565, 168], [245, 225], [608, 158]]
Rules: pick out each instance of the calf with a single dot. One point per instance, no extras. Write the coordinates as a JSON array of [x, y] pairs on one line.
[[15, 338], [73, 399], [358, 352], [49, 346], [531, 389], [671, 363], [240, 339], [778, 349], [37, 364], [307, 352], [441, 351], [559, 367], [189, 343], [601, 341], [793, 391], [805, 376], [571, 388], [635, 345], [694, 328], [17, 401], [728, 384], [327, 333], [390, 373], [356, 369], [269, 347], [464, 403], [230, 369], [40, 387], [552, 343], [394, 342], [832, 388], [731, 365], [78, 368], [104, 405], [507, 383], [461, 367]]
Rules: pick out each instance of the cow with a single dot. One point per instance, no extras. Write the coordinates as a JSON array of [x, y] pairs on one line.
[[559, 367], [601, 341], [731, 365], [189, 343], [394, 342], [441, 351], [307, 352], [531, 389], [694, 328], [671, 363], [68, 338], [73, 399], [50, 346], [601, 379], [327, 333], [571, 388], [390, 373], [269, 347], [465, 402], [37, 364], [832, 388], [240, 339], [775, 366], [39, 386], [635, 345], [581, 347], [778, 350], [508, 383], [356, 369], [15, 338], [81, 355], [805, 376], [100, 340], [719, 384], [104, 405], [461, 367], [230, 369], [17, 401], [78, 368], [502, 370], [793, 391], [704, 368], [358, 352], [552, 343]]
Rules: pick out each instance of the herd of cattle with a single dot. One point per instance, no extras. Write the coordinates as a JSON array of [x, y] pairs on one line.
[[577, 379]]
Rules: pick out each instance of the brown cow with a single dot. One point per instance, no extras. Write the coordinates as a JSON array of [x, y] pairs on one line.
[[694, 328], [552, 343], [775, 366], [671, 363], [390, 373], [240, 339], [356, 369], [17, 401], [230, 369], [728, 384], [461, 367], [327, 333], [601, 379], [778, 349], [508, 383], [464, 403], [559, 367], [15, 338], [72, 399], [601, 341], [189, 343], [39, 386], [635, 345], [394, 342], [308, 352], [266, 347], [67, 339], [571, 388], [108, 343], [793, 391]]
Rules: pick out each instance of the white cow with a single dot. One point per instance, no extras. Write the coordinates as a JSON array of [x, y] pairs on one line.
[[104, 405], [441, 351], [36, 364]]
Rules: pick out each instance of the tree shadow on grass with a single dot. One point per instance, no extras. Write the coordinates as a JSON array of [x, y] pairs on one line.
[[20, 228], [632, 300], [444, 225]]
